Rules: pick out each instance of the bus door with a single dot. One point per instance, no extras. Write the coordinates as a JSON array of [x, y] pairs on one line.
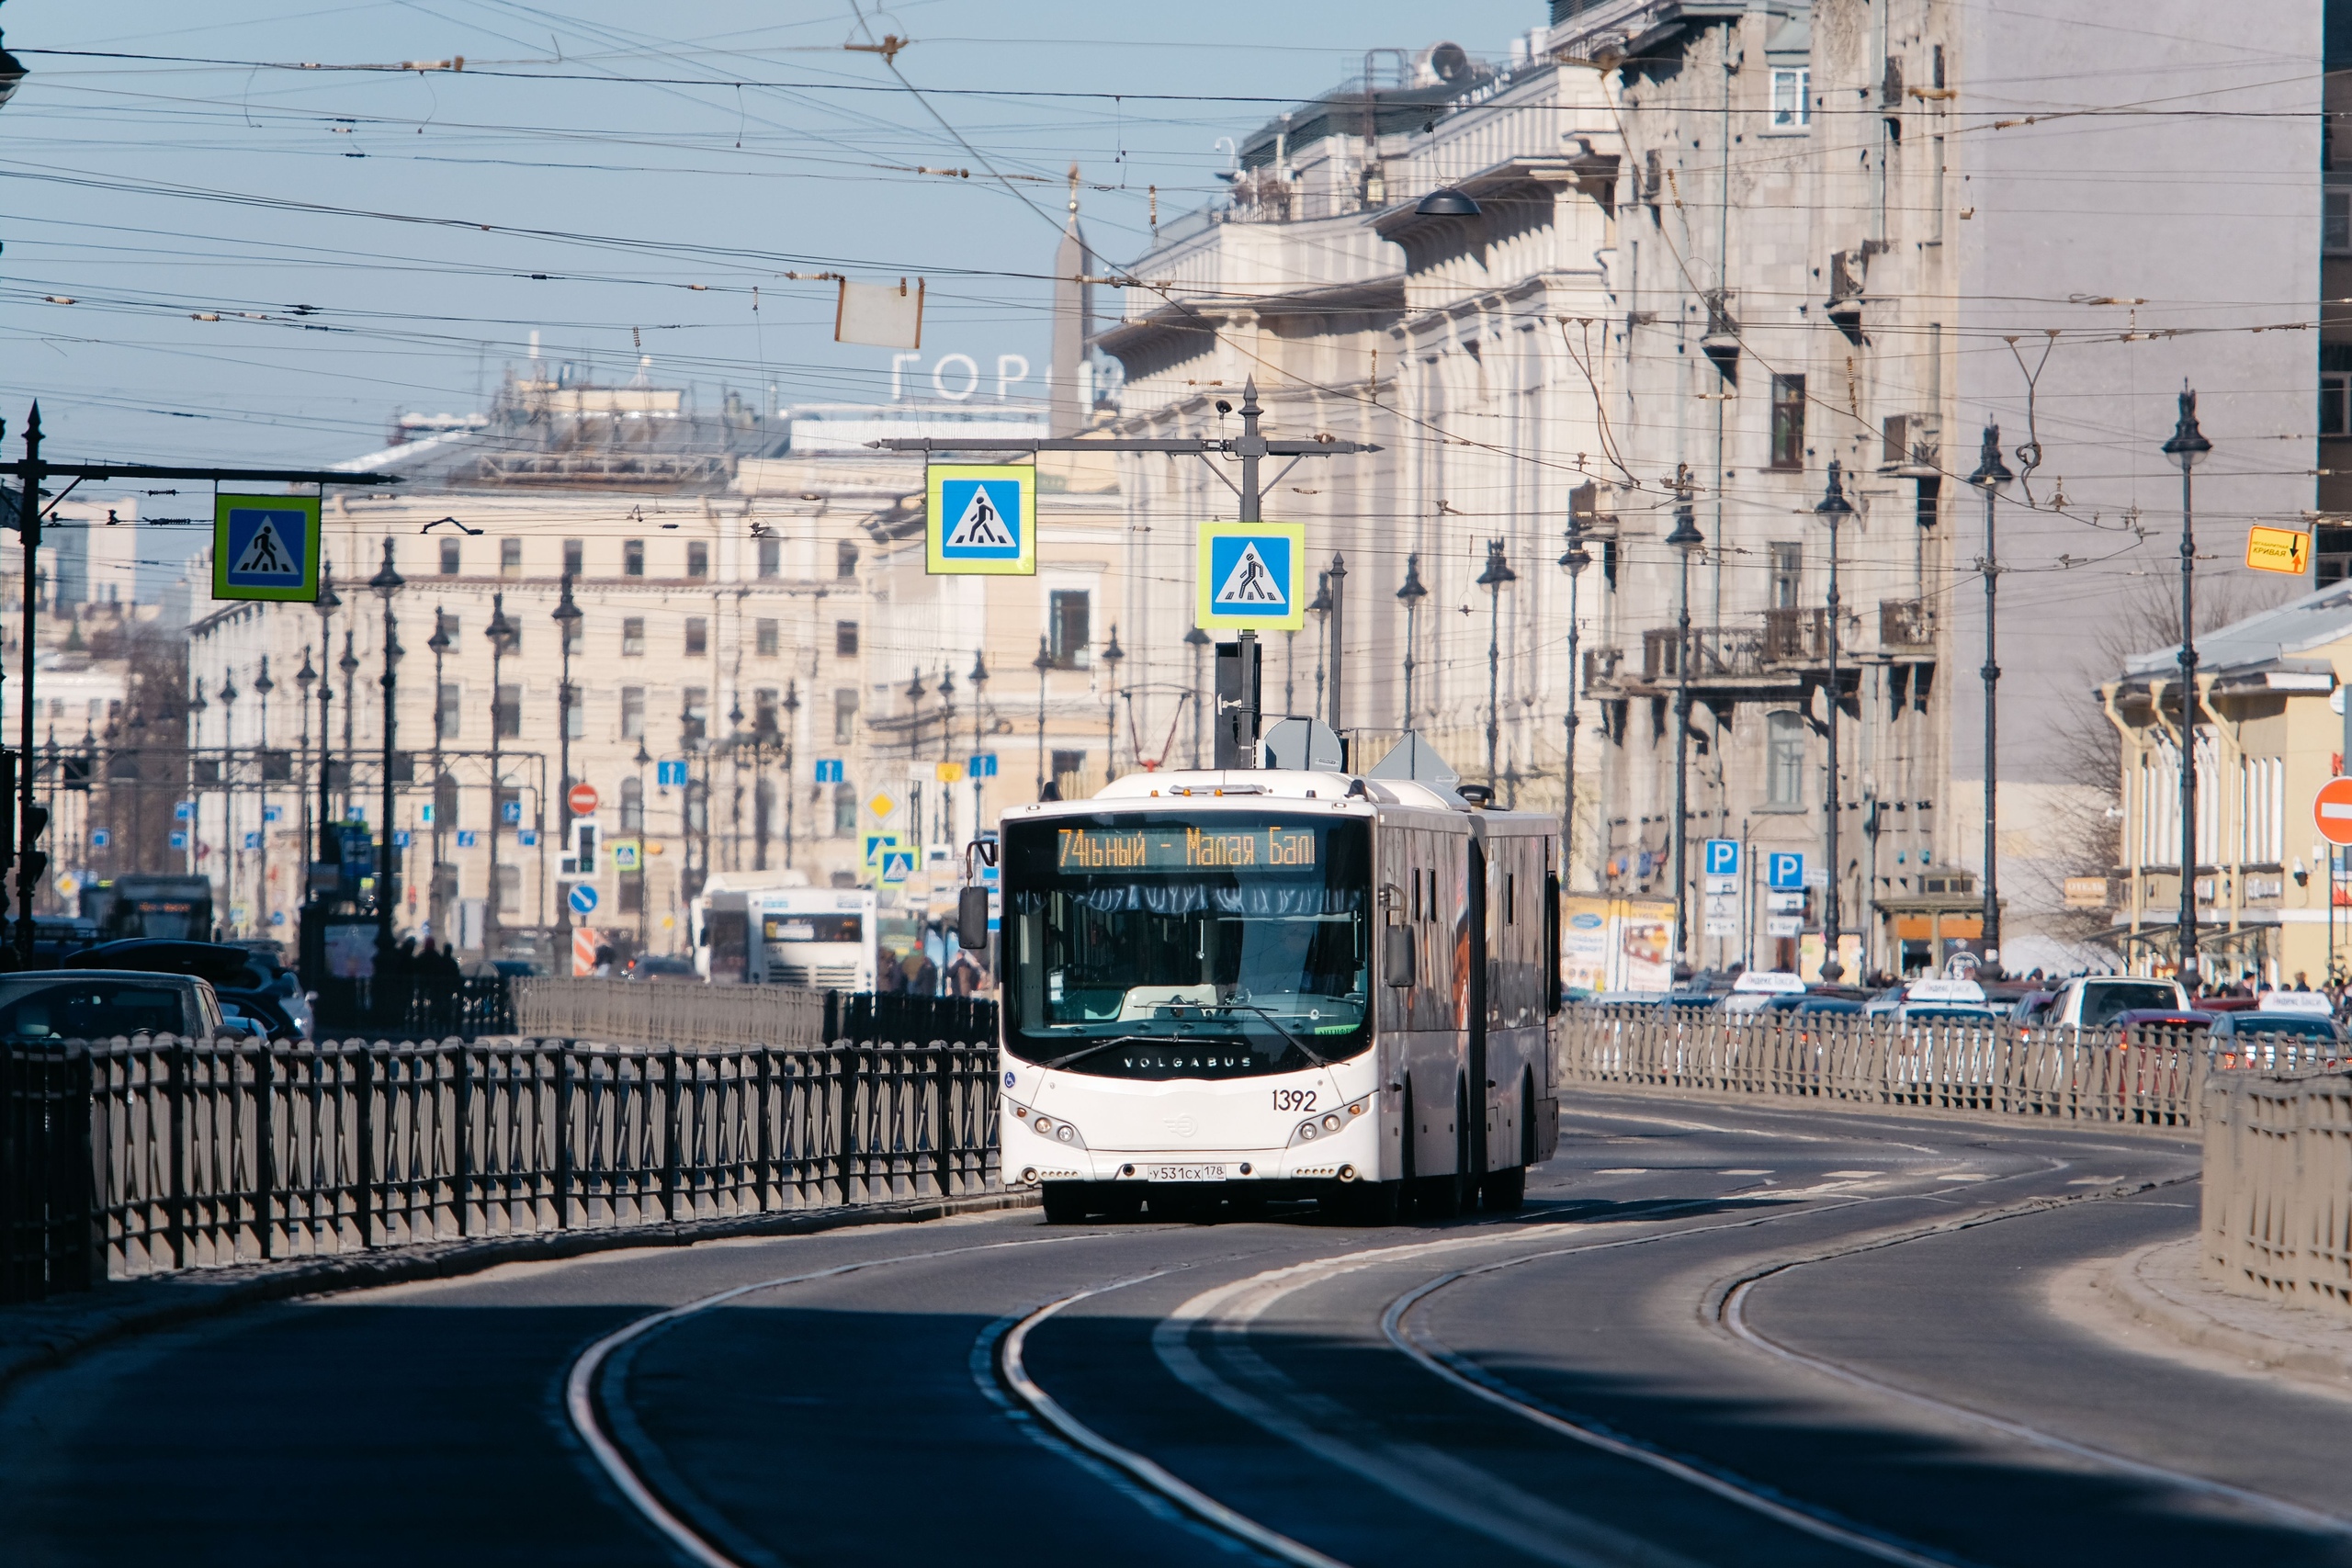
[[1477, 1109]]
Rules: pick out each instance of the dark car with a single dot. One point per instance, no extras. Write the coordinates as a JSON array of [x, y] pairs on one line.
[[649, 967], [100, 1004], [2274, 1040], [2189, 1019]]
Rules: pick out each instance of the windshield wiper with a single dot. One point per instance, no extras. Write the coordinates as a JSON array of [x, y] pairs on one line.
[[1303, 1048], [1085, 1051]]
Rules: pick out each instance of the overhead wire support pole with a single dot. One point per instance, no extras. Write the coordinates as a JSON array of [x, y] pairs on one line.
[[31, 472]]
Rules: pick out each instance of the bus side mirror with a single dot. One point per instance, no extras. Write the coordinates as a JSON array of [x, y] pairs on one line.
[[1397, 955], [972, 918]]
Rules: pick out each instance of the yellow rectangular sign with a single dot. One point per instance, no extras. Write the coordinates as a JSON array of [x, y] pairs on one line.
[[2286, 550]]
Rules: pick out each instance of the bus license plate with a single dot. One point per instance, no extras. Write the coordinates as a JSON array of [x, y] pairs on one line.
[[1186, 1173]]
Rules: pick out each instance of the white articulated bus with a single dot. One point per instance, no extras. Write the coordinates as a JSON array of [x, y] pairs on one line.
[[1223, 988]]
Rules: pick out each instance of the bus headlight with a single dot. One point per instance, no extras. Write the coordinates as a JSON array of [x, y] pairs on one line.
[[1051, 1127]]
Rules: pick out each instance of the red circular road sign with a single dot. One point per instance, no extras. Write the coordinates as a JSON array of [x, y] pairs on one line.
[[2332, 811], [582, 801]]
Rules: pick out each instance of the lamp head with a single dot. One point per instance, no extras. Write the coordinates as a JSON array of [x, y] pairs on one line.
[[566, 612], [1112, 651], [1045, 661], [979, 675], [1686, 537], [1991, 472], [2187, 446], [1414, 589], [387, 583], [1497, 570], [1445, 202], [328, 601], [1834, 507]]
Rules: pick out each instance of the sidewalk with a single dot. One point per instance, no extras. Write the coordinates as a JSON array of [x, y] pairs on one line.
[[35, 1336], [2157, 1300]]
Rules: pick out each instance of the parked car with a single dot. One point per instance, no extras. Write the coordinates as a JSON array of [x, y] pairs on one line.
[[100, 1004], [2194, 1019], [232, 970], [2031, 1008], [2282, 1029], [1946, 1002], [2094, 1001], [648, 966], [1759, 988]]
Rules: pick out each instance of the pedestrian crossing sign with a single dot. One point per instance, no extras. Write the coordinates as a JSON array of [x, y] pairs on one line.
[[265, 547], [1249, 575], [981, 520]]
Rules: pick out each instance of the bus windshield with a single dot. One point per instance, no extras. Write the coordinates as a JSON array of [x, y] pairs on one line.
[[1161, 946]]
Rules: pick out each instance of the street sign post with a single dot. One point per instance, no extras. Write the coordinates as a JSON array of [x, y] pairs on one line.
[[1251, 575], [1785, 869], [265, 547], [981, 520], [829, 770], [984, 765], [2332, 811], [1723, 857]]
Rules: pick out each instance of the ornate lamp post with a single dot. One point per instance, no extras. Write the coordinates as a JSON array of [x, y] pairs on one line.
[[1198, 641], [1685, 541], [1991, 475], [263, 686], [329, 843], [349, 665], [979, 677], [567, 618], [1496, 574], [2187, 447], [1045, 661], [1833, 509], [1320, 608], [1574, 560], [502, 635], [791, 706], [641, 759], [1113, 656], [440, 642], [304, 679], [1411, 595], [233, 845], [385, 584]]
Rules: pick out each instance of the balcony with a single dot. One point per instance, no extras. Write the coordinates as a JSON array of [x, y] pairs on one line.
[[1905, 624]]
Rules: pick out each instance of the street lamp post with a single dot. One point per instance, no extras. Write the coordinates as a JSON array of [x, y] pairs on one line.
[[1833, 509], [385, 584], [1496, 573], [231, 843], [2187, 447], [1320, 608], [1410, 595], [329, 842], [1045, 661], [1198, 641], [979, 677], [1991, 475], [1685, 541], [566, 615], [501, 633], [1112, 656], [263, 686], [644, 846], [349, 665], [791, 706], [1575, 559], [440, 643]]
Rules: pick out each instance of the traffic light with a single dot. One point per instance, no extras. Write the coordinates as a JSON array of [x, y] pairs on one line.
[[31, 864], [7, 808]]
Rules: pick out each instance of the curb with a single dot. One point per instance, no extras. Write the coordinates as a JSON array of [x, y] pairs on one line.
[[2185, 1321], [1761, 1100], [41, 1336]]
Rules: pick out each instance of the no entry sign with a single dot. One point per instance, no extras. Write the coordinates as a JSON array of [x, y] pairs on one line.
[[581, 799], [2332, 811]]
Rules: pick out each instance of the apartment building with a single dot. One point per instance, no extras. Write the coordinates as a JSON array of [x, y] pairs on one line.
[[1686, 257]]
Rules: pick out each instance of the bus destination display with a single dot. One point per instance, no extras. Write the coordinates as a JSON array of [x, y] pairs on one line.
[[1173, 849]]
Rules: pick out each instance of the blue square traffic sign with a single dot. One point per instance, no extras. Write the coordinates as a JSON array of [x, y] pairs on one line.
[[1784, 871], [1723, 857], [265, 547], [100, 837], [984, 765], [980, 518], [829, 770], [1248, 574], [465, 838], [668, 774]]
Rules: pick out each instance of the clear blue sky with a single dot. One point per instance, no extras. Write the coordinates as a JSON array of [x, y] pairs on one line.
[[150, 192]]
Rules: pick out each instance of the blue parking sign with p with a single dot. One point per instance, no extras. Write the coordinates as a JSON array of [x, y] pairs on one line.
[[981, 520], [1784, 871], [1723, 857]]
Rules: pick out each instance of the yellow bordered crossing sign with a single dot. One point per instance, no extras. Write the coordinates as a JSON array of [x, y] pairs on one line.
[[980, 520], [265, 547], [1251, 575], [2287, 550]]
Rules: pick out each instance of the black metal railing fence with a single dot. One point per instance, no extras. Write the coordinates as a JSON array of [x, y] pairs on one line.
[[138, 1157]]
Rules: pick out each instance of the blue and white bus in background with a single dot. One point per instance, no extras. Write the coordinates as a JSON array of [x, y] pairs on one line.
[[825, 938], [1219, 989]]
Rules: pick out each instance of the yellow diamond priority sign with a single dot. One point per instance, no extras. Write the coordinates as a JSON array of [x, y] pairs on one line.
[[2287, 550], [881, 805]]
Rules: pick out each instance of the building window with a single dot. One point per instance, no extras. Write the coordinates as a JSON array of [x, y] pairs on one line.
[[453, 706], [2335, 388], [632, 713], [1788, 575], [1784, 759], [698, 638], [2335, 220], [509, 558], [632, 558], [693, 717], [1067, 628], [1791, 97], [453, 558], [575, 713], [763, 710], [771, 556], [844, 809], [509, 712], [1067, 766], [764, 640], [1788, 423], [844, 639], [844, 715], [573, 630], [844, 557], [574, 553], [631, 894], [510, 889], [633, 799], [633, 637], [697, 559]]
